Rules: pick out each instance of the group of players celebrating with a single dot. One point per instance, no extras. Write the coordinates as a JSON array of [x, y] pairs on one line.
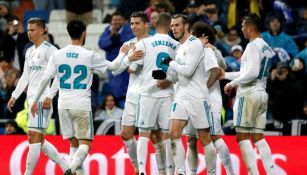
[[173, 89]]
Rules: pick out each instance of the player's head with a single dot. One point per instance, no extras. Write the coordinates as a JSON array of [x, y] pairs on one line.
[[138, 23], [204, 32], [76, 30], [180, 25], [36, 29], [251, 25], [164, 21]]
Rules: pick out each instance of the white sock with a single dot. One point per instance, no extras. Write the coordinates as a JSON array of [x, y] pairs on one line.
[[131, 146], [32, 157], [210, 158], [142, 151], [249, 157], [79, 157], [223, 152], [54, 155], [160, 157], [80, 169], [192, 157], [170, 164], [178, 154], [266, 156]]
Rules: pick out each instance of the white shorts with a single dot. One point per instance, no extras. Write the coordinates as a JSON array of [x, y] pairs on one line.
[[197, 112], [129, 115], [250, 110], [154, 111], [215, 126], [76, 123], [41, 119]]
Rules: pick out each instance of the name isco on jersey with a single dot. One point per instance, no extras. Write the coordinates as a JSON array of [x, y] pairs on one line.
[[163, 43], [72, 55]]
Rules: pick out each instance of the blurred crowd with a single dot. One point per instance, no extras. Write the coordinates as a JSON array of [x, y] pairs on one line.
[[284, 29]]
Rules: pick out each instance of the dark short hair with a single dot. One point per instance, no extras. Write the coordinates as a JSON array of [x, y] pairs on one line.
[[75, 29], [201, 28], [118, 13], [253, 19], [140, 15], [164, 19], [185, 19], [12, 18], [38, 21]]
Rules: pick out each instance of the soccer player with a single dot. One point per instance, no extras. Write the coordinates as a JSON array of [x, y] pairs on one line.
[[155, 103], [191, 96], [139, 26], [37, 57], [74, 67], [206, 34], [251, 101]]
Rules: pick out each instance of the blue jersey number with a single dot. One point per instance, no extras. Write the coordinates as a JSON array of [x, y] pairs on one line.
[[265, 67], [160, 57], [79, 69]]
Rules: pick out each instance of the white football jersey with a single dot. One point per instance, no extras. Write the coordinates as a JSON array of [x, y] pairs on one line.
[[190, 68], [156, 48], [215, 96], [255, 67], [134, 80], [74, 67], [36, 61]]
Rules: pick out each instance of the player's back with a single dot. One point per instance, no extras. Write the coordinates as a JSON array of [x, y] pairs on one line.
[[156, 48], [74, 72], [260, 54]]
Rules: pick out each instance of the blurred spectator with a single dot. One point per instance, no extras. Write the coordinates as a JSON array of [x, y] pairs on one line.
[[275, 36], [126, 7], [237, 9], [109, 109], [301, 25], [220, 43], [49, 37], [152, 24], [232, 38], [11, 128], [286, 97], [79, 10], [305, 109], [159, 6], [4, 15], [49, 4], [110, 41], [13, 43], [303, 56], [236, 52]]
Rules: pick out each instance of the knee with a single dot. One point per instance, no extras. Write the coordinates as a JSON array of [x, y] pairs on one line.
[[125, 135], [191, 140], [175, 134]]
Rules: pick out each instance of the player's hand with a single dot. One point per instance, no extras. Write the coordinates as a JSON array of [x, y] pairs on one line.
[[34, 108], [136, 55], [125, 49], [227, 88], [222, 74], [47, 103], [166, 61], [11, 104], [163, 84]]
